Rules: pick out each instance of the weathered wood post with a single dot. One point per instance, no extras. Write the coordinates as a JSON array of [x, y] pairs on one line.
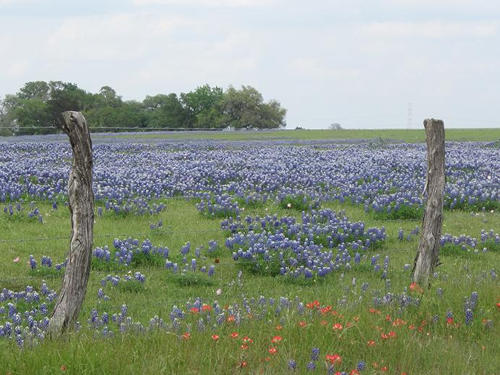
[[81, 207], [428, 247]]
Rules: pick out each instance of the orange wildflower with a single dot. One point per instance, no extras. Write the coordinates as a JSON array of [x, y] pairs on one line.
[[337, 327], [334, 359], [414, 287]]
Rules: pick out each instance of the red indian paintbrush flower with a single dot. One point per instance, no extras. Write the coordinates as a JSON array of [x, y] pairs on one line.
[[334, 359], [337, 327]]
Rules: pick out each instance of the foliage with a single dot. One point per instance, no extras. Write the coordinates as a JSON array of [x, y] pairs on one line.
[[403, 212], [245, 108], [297, 202], [38, 105]]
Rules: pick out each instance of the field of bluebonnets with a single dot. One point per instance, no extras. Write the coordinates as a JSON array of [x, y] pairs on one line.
[[255, 257]]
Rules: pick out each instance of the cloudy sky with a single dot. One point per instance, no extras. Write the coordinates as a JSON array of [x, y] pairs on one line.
[[356, 62]]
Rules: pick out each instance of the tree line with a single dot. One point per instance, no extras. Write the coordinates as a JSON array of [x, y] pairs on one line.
[[38, 105]]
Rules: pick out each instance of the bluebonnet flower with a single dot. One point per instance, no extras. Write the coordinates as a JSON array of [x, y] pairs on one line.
[[315, 354], [211, 270], [361, 366], [32, 262], [185, 248], [468, 316], [19, 341]]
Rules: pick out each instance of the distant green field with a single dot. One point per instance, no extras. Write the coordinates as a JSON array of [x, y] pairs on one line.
[[410, 136]]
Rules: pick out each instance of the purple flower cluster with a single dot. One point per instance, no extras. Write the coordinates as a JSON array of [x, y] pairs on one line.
[[136, 206], [46, 263], [30, 325], [17, 211], [127, 177], [489, 240], [129, 281], [281, 245], [193, 265], [129, 250], [218, 205]]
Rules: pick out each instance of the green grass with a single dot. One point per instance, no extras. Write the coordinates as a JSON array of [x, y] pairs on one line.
[[435, 349], [410, 136]]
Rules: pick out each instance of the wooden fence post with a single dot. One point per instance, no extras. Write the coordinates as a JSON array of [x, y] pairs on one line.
[[81, 207], [428, 248]]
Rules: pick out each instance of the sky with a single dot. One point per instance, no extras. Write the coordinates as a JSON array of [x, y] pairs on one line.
[[360, 63]]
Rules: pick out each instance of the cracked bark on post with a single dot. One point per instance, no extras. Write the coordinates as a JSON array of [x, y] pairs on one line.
[[81, 207], [427, 257]]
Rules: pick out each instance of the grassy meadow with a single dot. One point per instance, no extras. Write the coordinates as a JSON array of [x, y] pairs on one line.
[[421, 345], [356, 320], [403, 135]]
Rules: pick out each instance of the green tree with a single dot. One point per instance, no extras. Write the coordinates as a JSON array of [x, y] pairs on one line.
[[38, 105], [272, 115], [129, 114], [7, 114], [33, 116], [27, 111], [66, 96], [245, 108], [5, 124], [165, 111], [35, 90], [107, 97], [203, 107]]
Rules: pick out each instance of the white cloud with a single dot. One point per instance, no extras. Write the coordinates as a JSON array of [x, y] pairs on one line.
[[430, 29], [427, 3], [17, 69], [208, 3], [16, 2], [116, 37], [315, 68]]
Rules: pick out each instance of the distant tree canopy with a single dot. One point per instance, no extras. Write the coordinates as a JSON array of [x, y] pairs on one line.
[[38, 105], [335, 126]]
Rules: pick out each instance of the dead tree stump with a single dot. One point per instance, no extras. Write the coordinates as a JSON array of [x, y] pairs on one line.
[[81, 207], [428, 248]]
